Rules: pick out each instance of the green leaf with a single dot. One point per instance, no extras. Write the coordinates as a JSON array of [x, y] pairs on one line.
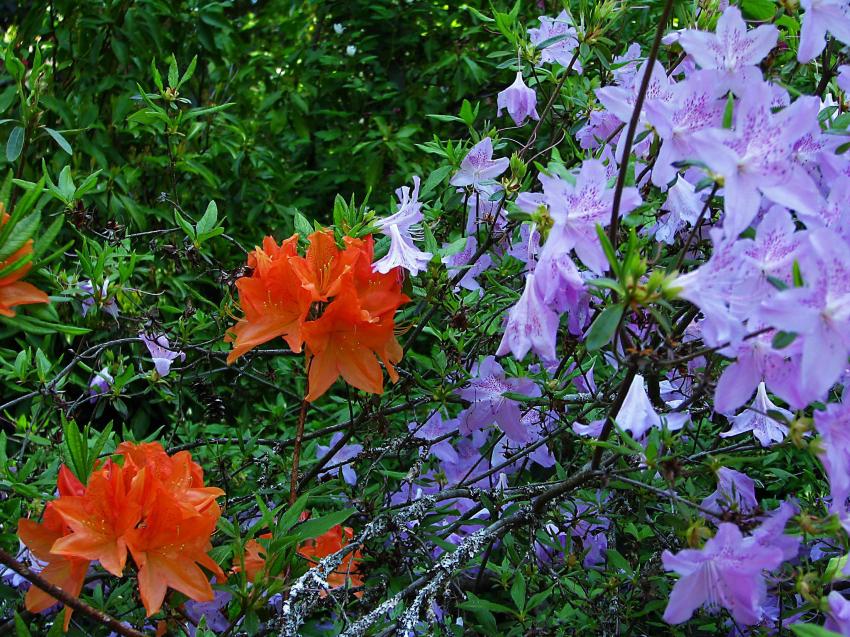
[[302, 225], [19, 235], [15, 143], [518, 591], [157, 78], [172, 72], [603, 328], [209, 219], [189, 72], [781, 340], [729, 111], [288, 519], [434, 179], [59, 139], [315, 527], [811, 630], [185, 225], [761, 10], [76, 450], [608, 249], [21, 627]]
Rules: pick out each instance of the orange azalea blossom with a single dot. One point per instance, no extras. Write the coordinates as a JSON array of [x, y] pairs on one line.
[[351, 308], [13, 291], [313, 551], [154, 506]]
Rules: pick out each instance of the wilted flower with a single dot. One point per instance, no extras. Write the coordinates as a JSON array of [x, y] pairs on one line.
[[98, 298]]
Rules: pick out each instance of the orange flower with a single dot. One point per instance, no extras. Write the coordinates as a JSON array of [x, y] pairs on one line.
[[274, 302], [13, 291], [254, 558], [354, 306], [68, 573], [323, 269], [331, 542], [155, 506], [342, 343]]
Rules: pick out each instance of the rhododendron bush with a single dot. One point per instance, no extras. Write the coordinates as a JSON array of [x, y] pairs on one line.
[[378, 318]]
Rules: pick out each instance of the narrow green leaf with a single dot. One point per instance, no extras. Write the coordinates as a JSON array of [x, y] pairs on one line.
[[319, 526], [603, 328], [59, 139], [209, 219], [15, 143], [19, 235]]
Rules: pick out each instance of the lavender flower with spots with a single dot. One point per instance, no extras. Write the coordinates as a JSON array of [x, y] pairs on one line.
[[530, 325], [345, 454], [460, 262], [479, 166], [519, 100], [562, 49], [820, 17], [731, 51], [485, 391], [758, 418], [726, 573], [161, 353]]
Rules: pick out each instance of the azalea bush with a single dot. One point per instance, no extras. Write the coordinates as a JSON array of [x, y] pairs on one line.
[[376, 318]]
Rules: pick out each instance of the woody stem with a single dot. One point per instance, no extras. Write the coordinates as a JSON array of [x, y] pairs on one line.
[[69, 600], [296, 451]]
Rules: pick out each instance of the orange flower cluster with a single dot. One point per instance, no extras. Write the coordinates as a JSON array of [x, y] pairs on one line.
[[313, 551], [154, 505], [13, 291], [350, 309]]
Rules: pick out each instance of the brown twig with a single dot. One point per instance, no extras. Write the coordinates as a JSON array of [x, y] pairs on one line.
[[69, 600]]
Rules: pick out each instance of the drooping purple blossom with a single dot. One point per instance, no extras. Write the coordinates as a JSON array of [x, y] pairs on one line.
[[161, 353], [756, 418], [400, 227], [731, 51], [345, 454], [833, 425], [838, 615], [479, 166], [562, 49], [820, 17], [537, 423], [727, 572], [460, 262], [519, 100], [683, 206], [213, 612], [735, 492], [100, 383], [485, 391], [530, 325], [637, 415]]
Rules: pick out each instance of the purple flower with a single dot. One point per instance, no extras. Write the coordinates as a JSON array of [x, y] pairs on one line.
[[625, 67], [821, 16], [756, 157], [467, 459], [580, 525], [732, 51], [98, 298], [771, 532], [536, 423], [485, 391], [530, 325], [399, 227], [755, 418], [683, 207], [833, 425], [637, 415], [100, 383], [212, 611], [844, 78], [519, 100], [161, 353], [620, 100], [838, 615], [735, 492], [818, 312], [486, 207], [460, 260], [562, 49], [726, 572], [345, 453], [479, 165]]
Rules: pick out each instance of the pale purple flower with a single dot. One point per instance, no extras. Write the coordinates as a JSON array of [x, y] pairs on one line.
[[519, 100], [434, 428], [213, 612], [485, 391], [844, 78], [732, 51], [98, 298], [838, 615], [820, 17], [727, 572], [400, 227], [556, 278], [833, 425], [771, 532], [537, 423], [161, 353], [600, 126], [756, 157], [625, 67], [100, 383], [683, 206], [735, 492], [486, 207], [588, 532], [479, 165], [530, 325], [345, 454], [459, 262], [561, 50], [637, 415], [467, 460], [755, 418], [818, 312]]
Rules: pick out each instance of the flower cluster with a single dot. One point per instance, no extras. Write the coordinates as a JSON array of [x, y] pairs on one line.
[[149, 504], [330, 301]]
